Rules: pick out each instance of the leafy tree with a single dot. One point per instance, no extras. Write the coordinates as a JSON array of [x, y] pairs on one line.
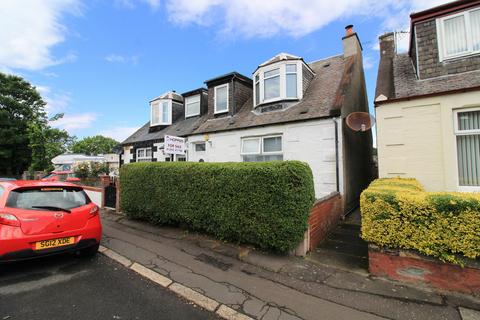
[[26, 139], [94, 145]]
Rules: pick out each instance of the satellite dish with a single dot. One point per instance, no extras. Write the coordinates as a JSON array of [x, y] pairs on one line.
[[360, 121]]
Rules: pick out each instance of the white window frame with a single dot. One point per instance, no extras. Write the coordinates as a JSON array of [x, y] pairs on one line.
[[458, 132], [272, 152], [216, 111], [145, 156], [441, 36], [260, 150], [282, 65], [160, 112], [188, 100], [197, 143]]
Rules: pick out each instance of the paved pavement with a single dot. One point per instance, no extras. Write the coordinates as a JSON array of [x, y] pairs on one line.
[[66, 287], [270, 287]]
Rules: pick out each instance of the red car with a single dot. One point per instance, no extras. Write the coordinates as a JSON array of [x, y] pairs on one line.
[[45, 218], [68, 176]]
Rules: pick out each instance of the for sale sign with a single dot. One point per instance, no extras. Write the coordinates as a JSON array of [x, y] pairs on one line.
[[174, 145]]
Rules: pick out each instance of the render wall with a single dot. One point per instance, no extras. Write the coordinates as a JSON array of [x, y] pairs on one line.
[[312, 142], [416, 139]]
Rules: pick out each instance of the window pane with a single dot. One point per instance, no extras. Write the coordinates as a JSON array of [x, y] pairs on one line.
[[148, 153], [475, 23], [155, 113], [273, 157], [221, 98], [469, 120], [192, 108], [455, 35], [291, 68], [164, 112], [250, 145], [141, 153], [272, 88], [200, 147], [257, 93], [292, 85], [273, 144], [257, 78], [271, 73], [468, 149]]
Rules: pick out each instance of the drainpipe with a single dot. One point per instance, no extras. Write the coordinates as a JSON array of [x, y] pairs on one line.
[[337, 176]]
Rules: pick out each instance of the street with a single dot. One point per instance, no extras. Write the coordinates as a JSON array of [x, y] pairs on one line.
[[66, 287]]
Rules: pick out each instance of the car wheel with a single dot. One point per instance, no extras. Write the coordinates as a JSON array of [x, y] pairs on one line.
[[90, 251]]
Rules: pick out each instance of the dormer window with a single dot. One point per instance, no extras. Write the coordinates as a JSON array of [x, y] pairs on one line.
[[161, 113], [280, 78], [221, 98], [192, 106], [459, 34]]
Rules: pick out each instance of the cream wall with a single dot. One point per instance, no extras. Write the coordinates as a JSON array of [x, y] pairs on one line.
[[416, 139], [312, 142]]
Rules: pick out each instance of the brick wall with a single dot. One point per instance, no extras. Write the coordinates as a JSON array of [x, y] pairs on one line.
[[428, 60], [409, 267], [324, 218]]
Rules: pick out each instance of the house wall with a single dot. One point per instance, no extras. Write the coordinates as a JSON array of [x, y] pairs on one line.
[[416, 139], [312, 142]]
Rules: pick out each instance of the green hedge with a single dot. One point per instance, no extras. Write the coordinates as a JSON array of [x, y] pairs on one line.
[[266, 204], [398, 213]]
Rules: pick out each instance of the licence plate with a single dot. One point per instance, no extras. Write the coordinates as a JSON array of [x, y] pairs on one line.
[[53, 243]]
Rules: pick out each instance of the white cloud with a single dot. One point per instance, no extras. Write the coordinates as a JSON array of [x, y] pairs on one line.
[[30, 29], [119, 133], [368, 62], [273, 17], [131, 4], [72, 122], [56, 102], [117, 58]]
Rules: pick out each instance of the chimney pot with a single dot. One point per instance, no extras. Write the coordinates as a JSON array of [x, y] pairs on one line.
[[349, 30]]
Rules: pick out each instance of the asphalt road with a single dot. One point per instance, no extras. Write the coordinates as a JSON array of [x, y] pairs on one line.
[[66, 287]]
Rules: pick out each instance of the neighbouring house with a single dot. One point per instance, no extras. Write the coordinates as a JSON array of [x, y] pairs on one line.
[[66, 161], [427, 101], [290, 110]]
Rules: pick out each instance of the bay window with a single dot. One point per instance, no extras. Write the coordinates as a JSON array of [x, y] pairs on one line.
[[278, 81], [192, 106], [467, 130], [257, 149], [459, 34], [161, 112]]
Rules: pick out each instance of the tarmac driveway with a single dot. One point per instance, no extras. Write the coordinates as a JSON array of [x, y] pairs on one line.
[[66, 287]]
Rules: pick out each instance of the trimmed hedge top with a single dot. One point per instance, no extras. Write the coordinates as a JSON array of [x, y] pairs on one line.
[[266, 204], [398, 213]]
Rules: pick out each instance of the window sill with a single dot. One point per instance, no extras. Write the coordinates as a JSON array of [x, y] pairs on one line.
[[276, 100], [462, 56], [191, 115], [220, 112], [468, 188]]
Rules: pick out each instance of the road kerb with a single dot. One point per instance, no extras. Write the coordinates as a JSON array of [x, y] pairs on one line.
[[183, 291], [231, 314], [118, 257], [194, 296], [150, 274]]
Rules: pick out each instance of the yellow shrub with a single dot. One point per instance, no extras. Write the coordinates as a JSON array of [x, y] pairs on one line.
[[398, 213]]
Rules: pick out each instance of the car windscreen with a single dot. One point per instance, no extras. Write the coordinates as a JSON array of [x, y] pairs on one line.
[[36, 198]]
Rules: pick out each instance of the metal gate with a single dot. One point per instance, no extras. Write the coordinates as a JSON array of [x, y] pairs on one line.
[[110, 195]]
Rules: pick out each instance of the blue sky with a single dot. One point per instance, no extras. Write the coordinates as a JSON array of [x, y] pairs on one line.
[[100, 61]]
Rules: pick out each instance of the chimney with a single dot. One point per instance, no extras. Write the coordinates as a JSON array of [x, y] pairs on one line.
[[385, 88], [351, 43], [387, 45]]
